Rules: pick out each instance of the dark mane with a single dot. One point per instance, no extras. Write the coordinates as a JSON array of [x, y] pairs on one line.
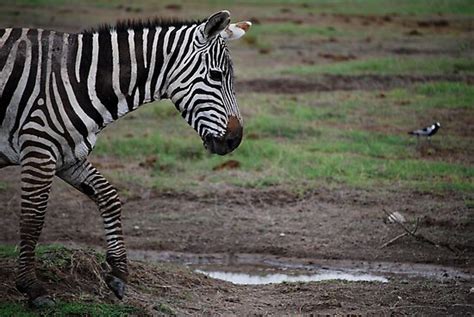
[[140, 24]]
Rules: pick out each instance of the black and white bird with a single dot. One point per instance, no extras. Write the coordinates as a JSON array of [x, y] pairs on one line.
[[428, 131]]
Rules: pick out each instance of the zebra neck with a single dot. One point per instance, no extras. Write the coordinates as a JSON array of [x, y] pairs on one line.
[[130, 68]]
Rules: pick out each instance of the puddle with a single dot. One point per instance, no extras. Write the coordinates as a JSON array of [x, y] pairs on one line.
[[253, 269], [265, 269], [254, 279]]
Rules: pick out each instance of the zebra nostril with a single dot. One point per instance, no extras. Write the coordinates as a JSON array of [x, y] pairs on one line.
[[230, 143], [233, 142], [221, 145]]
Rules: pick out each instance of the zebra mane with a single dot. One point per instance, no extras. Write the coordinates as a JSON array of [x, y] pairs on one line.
[[140, 24]]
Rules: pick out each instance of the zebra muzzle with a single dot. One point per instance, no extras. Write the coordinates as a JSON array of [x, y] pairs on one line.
[[227, 143]]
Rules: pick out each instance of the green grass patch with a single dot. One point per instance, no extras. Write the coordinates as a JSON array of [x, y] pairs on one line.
[[364, 7], [380, 7], [9, 251], [377, 7], [390, 66], [68, 309], [281, 127], [437, 95], [293, 29], [305, 139]]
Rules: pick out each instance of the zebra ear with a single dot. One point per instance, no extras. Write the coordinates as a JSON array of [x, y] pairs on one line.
[[216, 23], [236, 30]]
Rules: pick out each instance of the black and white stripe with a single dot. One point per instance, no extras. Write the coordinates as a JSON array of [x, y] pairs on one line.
[[59, 90], [427, 131]]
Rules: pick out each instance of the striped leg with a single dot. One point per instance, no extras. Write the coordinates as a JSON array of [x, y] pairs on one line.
[[37, 172], [88, 180]]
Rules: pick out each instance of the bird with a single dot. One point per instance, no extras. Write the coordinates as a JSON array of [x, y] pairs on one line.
[[428, 131]]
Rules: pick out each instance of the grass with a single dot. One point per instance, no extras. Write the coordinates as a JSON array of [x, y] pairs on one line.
[[405, 7], [377, 7], [68, 309], [8, 251], [293, 29], [389, 66], [351, 138], [438, 95], [308, 139]]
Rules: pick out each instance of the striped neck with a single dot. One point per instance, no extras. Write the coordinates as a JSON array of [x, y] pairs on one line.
[[131, 67]]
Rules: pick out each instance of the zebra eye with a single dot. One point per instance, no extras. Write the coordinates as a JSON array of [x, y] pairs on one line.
[[216, 75]]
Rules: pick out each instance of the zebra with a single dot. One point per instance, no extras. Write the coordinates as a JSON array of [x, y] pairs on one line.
[[59, 90]]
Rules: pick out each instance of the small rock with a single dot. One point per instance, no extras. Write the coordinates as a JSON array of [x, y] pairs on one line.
[[233, 299], [282, 234], [136, 227]]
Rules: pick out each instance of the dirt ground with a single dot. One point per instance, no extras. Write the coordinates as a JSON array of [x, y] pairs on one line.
[[321, 223], [172, 290], [339, 223]]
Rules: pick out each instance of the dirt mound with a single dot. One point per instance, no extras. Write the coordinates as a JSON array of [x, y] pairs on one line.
[[341, 82], [66, 272], [76, 275]]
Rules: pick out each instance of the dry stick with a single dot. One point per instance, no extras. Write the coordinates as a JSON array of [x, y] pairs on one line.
[[400, 235], [420, 237], [386, 244], [407, 232]]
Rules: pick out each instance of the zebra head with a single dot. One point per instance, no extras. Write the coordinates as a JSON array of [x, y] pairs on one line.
[[202, 85]]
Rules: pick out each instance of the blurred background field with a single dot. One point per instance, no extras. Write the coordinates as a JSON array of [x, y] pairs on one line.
[[328, 91]]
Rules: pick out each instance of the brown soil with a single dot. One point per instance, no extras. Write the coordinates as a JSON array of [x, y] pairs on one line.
[[168, 289], [341, 82], [320, 224]]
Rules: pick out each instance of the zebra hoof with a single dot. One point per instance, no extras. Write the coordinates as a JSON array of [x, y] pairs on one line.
[[116, 285], [44, 301]]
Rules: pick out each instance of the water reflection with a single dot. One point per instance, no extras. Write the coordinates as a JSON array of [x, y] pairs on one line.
[[254, 279]]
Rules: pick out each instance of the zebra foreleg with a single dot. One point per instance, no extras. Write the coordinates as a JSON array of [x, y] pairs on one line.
[[37, 172], [88, 180]]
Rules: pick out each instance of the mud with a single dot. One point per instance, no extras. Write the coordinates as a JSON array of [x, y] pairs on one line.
[[166, 289], [245, 263], [323, 223]]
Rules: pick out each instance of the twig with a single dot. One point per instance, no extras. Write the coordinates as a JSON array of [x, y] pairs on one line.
[[419, 306], [386, 244], [419, 236]]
